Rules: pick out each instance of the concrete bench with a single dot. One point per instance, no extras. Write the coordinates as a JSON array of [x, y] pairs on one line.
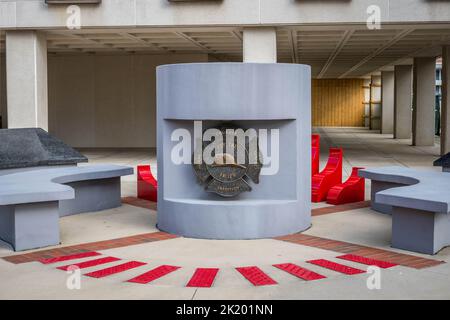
[[419, 202], [31, 202]]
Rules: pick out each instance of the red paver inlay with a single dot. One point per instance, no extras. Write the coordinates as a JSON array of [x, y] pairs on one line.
[[154, 274], [367, 261], [115, 269], [256, 276], [336, 266], [299, 272], [203, 277], [90, 263], [70, 257]]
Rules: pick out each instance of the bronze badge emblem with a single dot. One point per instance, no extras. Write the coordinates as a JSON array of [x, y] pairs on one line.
[[229, 172]]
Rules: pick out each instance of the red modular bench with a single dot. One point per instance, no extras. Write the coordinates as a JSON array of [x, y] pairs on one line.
[[315, 153], [352, 190], [328, 177], [147, 186]]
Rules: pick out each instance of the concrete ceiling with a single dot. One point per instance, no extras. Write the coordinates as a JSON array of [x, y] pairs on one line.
[[332, 51]]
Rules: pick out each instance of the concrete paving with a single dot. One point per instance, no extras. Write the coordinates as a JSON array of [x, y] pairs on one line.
[[362, 226]]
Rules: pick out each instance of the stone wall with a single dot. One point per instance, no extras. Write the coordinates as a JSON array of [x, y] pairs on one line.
[[106, 100]]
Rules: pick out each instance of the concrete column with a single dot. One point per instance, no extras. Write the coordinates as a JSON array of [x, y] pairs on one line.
[[402, 101], [424, 91], [367, 91], [3, 111], [26, 79], [387, 101], [260, 45], [445, 104], [375, 102]]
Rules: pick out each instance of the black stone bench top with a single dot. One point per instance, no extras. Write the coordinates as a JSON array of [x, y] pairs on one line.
[[32, 147], [443, 161]]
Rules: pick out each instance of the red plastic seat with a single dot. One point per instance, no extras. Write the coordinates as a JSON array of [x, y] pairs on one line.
[[315, 153], [147, 186], [352, 190], [328, 177]]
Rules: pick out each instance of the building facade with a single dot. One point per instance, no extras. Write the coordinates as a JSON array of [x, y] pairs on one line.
[[86, 71]]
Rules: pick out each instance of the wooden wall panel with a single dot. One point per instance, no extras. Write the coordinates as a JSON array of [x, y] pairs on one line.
[[337, 102]]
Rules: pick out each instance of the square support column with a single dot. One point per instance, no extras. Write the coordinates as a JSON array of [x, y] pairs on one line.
[[375, 102], [419, 230], [445, 104], [260, 45], [3, 110], [387, 102], [402, 101], [366, 102], [30, 225], [26, 79], [424, 90]]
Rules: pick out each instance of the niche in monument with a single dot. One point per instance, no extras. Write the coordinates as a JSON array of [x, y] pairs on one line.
[[252, 183], [233, 163]]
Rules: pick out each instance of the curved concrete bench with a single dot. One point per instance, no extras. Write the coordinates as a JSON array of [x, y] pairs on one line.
[[419, 202], [31, 202]]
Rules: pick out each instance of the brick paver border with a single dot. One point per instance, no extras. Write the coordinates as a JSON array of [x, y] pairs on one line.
[[141, 203], [91, 246], [340, 208], [406, 260], [146, 204]]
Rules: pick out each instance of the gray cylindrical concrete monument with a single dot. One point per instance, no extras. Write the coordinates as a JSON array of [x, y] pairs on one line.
[[275, 97]]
